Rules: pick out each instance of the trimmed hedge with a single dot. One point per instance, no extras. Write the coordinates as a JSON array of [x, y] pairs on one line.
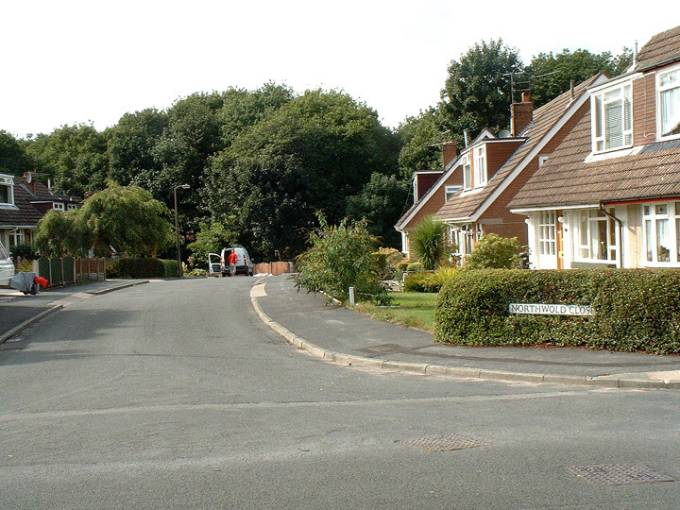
[[139, 267], [633, 310]]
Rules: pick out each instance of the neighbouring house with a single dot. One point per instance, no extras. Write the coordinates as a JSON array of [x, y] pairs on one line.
[[472, 194], [430, 189], [23, 201], [609, 194]]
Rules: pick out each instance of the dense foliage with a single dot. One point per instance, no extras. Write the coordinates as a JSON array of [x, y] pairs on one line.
[[142, 267], [429, 281], [634, 310], [495, 252], [212, 238], [428, 242], [340, 257]]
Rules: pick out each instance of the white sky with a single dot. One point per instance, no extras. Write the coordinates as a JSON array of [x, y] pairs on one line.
[[66, 61]]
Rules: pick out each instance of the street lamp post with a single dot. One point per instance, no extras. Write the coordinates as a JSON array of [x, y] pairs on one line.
[[179, 253]]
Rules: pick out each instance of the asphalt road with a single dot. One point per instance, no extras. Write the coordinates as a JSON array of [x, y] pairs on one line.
[[174, 395]]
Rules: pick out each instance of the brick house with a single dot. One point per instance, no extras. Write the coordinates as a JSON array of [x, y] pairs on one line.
[[23, 201], [472, 193], [609, 193]]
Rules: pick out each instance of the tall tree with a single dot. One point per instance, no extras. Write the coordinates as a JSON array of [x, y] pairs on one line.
[[477, 90], [549, 74], [131, 144], [421, 139], [75, 156], [13, 157], [309, 155], [381, 202]]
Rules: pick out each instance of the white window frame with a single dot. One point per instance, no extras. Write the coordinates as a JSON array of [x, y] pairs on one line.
[[480, 166], [592, 221], [659, 91], [547, 233], [600, 95], [650, 214], [467, 173], [72, 207], [16, 236], [449, 191], [58, 206], [8, 180]]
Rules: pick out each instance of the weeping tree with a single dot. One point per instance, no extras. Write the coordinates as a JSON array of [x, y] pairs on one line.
[[60, 234], [428, 243]]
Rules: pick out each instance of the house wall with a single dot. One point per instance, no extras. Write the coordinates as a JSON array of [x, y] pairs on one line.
[[434, 203], [498, 153]]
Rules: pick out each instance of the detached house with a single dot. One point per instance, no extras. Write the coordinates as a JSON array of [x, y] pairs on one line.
[[609, 193], [472, 194], [23, 201]]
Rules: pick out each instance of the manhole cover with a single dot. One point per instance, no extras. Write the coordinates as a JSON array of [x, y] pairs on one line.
[[443, 443], [618, 474]]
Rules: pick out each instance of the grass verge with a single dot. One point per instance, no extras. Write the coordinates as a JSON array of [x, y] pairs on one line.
[[414, 309]]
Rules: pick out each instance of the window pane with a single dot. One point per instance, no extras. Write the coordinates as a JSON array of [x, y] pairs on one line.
[[648, 240], [613, 124], [663, 249], [677, 208], [601, 240], [646, 210], [670, 112], [598, 117], [612, 232], [669, 78], [627, 108], [4, 194], [662, 209]]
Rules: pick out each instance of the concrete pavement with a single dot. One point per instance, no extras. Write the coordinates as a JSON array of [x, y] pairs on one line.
[[337, 334], [176, 395]]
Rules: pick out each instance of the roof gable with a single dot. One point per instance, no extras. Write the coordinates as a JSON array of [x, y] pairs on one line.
[[662, 48]]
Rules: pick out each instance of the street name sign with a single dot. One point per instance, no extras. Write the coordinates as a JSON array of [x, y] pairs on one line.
[[546, 309]]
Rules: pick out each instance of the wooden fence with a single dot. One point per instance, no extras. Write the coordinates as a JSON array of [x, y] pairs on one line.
[[69, 270], [275, 268]]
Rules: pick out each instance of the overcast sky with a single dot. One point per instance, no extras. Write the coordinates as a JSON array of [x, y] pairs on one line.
[[91, 61]]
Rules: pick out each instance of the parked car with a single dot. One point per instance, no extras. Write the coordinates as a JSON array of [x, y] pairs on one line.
[[218, 264], [6, 266]]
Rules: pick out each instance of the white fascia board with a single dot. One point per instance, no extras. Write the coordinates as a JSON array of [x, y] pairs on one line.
[[553, 208], [597, 87], [437, 185], [422, 172], [568, 114]]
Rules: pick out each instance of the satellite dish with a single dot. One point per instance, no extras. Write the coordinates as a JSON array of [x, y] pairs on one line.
[[29, 177], [505, 133]]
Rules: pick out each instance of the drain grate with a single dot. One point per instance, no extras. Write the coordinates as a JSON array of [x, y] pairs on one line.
[[618, 474], [443, 443]]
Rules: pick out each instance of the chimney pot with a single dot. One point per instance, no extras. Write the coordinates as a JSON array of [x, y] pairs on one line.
[[526, 97]]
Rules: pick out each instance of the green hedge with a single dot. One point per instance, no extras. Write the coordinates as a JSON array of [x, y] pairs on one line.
[[421, 282], [633, 310], [134, 267]]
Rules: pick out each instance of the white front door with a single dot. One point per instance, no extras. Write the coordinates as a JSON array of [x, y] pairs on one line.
[[546, 240]]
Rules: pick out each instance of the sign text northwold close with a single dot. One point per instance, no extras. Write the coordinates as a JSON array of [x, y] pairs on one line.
[[547, 309]]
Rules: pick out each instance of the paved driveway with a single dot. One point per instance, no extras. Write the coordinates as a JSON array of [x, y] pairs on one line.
[[174, 395]]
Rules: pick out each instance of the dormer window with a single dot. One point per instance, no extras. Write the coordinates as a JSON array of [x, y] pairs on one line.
[[480, 166], [467, 173], [668, 87], [6, 190], [450, 191], [612, 118], [57, 206]]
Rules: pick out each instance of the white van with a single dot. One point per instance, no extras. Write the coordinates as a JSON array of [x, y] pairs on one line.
[[6, 266], [218, 264]]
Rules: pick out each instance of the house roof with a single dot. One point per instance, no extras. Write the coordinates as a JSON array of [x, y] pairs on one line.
[[466, 204], [568, 180], [663, 48], [23, 214]]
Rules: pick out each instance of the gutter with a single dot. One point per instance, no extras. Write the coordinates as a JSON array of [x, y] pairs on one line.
[[619, 244]]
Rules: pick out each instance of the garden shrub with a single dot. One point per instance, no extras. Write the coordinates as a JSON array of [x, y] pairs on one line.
[[169, 268], [428, 242], [24, 251], [495, 252], [138, 267], [339, 257], [428, 281], [414, 266], [633, 310]]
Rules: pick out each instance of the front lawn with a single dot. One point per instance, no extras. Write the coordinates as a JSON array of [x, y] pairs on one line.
[[415, 309]]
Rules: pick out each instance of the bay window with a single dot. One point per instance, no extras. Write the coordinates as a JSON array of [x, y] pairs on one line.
[[480, 166], [596, 234], [668, 87], [612, 118], [661, 233]]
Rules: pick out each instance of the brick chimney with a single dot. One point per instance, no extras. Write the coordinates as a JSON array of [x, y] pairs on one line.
[[449, 152], [521, 114]]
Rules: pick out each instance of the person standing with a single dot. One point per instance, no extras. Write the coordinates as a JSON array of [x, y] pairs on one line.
[[233, 259]]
